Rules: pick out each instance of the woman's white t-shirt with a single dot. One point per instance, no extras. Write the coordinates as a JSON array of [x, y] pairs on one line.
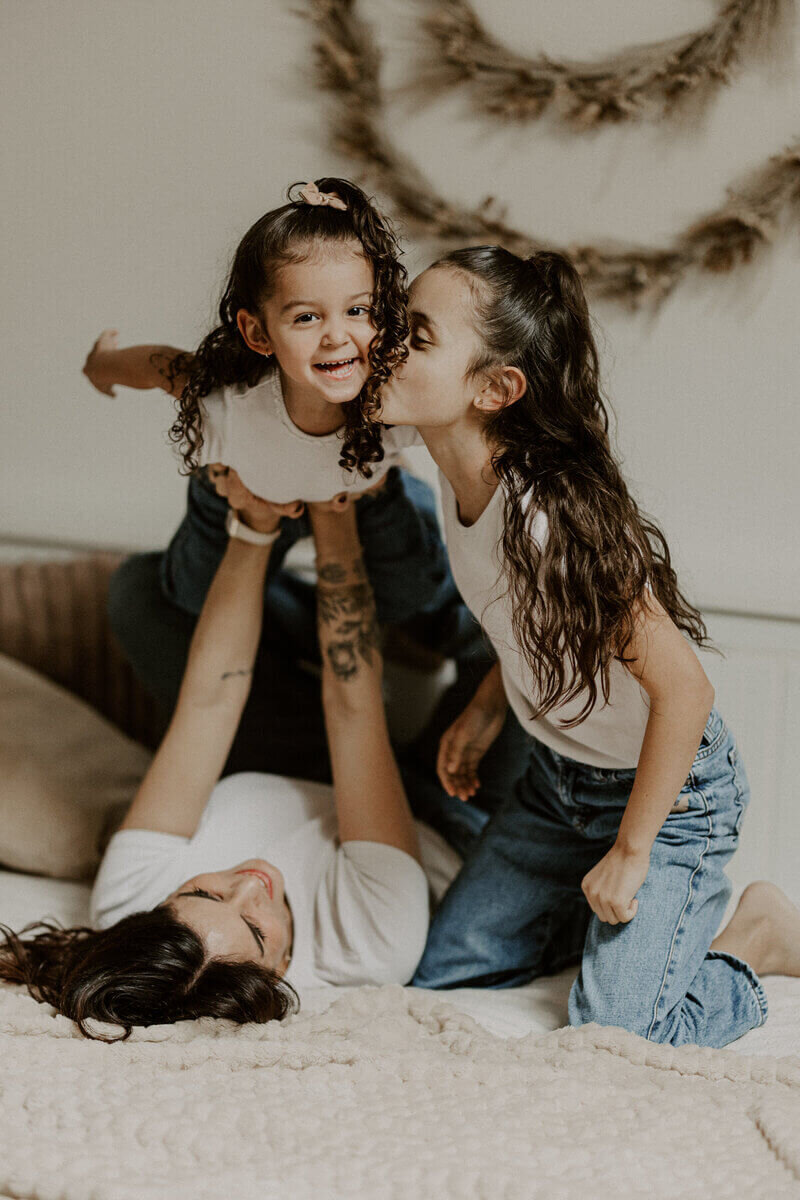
[[360, 910], [249, 429], [611, 736]]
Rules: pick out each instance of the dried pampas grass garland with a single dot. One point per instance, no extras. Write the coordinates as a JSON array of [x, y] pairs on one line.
[[348, 65], [642, 81]]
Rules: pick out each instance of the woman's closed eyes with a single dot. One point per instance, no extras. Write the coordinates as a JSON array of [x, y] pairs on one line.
[[204, 895]]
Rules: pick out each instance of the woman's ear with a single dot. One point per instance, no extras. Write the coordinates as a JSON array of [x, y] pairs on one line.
[[502, 386], [252, 332]]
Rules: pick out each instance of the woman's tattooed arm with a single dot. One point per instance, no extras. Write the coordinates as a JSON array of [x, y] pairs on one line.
[[348, 630], [371, 804]]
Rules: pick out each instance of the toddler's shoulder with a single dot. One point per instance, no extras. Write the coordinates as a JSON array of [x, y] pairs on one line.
[[266, 393], [400, 437]]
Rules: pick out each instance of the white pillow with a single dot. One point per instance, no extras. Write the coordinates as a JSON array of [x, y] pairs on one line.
[[66, 776]]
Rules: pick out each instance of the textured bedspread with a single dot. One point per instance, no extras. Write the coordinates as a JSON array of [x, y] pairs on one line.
[[388, 1093]]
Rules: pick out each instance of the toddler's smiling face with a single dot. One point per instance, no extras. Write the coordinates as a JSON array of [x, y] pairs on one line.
[[317, 322]]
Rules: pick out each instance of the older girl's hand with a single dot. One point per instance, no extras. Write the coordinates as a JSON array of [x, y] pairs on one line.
[[463, 746], [261, 515], [611, 886]]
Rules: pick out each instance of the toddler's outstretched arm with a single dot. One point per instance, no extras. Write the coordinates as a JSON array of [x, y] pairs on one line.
[[132, 366]]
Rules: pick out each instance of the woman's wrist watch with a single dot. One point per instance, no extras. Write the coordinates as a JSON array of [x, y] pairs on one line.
[[236, 528]]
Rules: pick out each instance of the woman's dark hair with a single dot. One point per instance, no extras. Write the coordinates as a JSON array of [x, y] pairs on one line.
[[574, 600], [148, 969], [281, 236]]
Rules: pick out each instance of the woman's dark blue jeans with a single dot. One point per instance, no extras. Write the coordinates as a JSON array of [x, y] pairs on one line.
[[154, 601], [400, 539]]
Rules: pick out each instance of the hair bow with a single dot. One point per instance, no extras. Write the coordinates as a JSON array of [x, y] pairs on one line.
[[312, 195]]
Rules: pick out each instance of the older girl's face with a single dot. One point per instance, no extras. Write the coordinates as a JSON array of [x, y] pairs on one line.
[[240, 914], [432, 388]]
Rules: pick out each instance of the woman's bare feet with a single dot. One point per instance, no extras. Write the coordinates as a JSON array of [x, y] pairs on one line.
[[764, 931]]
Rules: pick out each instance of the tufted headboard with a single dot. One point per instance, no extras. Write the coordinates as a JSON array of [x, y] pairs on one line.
[[53, 618]]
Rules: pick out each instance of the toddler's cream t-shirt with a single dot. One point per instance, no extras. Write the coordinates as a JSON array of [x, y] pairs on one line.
[[249, 429]]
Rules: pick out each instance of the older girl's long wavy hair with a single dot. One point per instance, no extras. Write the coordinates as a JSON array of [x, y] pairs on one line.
[[574, 600], [281, 236], [148, 969]]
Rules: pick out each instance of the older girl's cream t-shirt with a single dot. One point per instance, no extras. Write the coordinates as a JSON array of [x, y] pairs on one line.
[[611, 736]]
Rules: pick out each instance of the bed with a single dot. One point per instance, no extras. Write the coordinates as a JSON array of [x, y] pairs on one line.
[[389, 1092], [537, 1008], [367, 1092]]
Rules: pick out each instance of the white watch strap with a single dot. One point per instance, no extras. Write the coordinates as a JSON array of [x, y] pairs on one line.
[[236, 528]]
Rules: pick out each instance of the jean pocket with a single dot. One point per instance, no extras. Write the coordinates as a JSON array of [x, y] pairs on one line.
[[714, 734], [721, 779]]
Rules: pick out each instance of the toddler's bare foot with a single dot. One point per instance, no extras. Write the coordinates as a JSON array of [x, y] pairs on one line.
[[764, 931]]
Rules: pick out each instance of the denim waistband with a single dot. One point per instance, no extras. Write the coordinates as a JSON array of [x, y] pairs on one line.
[[714, 734]]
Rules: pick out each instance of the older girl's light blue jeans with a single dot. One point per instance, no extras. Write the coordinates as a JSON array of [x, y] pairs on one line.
[[516, 910]]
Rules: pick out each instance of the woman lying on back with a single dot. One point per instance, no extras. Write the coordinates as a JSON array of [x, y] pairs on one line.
[[191, 917]]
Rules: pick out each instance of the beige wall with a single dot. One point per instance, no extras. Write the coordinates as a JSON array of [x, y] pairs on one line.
[[141, 139]]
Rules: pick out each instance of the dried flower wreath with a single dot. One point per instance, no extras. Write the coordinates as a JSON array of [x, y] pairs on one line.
[[348, 65], [647, 80]]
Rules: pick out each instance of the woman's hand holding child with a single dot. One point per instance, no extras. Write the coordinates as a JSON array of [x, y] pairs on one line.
[[265, 513], [261, 515]]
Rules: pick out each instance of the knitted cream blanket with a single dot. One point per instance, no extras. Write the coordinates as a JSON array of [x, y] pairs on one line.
[[389, 1093]]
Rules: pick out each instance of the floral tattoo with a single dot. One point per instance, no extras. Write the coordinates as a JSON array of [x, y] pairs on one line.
[[346, 615]]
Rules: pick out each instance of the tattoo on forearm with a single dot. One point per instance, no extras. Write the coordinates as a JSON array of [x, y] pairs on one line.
[[355, 640], [343, 601], [342, 658], [332, 573], [346, 614], [232, 674]]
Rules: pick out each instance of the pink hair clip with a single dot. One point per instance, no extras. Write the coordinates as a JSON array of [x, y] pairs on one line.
[[312, 195]]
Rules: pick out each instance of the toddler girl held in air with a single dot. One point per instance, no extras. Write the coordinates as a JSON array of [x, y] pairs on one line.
[[313, 316]]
